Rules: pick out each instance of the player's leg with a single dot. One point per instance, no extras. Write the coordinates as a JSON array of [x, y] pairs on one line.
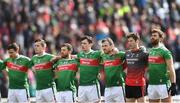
[[93, 93], [49, 95], [82, 94], [129, 94], [22, 95], [141, 99], [11, 96], [59, 97], [154, 100], [118, 93], [153, 94], [167, 100], [141, 94], [165, 96]]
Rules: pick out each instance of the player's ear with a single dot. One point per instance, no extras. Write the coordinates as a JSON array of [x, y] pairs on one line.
[[161, 39], [91, 44], [70, 51]]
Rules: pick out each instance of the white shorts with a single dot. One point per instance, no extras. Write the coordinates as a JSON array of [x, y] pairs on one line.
[[157, 91], [114, 94], [65, 96], [89, 93], [18, 95], [45, 95]]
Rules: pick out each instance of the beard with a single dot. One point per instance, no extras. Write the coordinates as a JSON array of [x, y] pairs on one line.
[[154, 42], [64, 56]]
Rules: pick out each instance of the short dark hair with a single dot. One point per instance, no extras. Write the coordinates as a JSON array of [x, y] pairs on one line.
[[43, 43], [109, 40], [88, 38], [68, 46], [13, 46], [161, 34], [133, 35]]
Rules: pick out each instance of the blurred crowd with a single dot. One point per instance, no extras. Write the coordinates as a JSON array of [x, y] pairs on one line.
[[59, 21]]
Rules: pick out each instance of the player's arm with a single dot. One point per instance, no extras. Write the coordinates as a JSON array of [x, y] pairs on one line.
[[114, 51], [55, 58], [124, 62], [4, 71], [170, 67], [31, 65], [78, 64], [169, 62]]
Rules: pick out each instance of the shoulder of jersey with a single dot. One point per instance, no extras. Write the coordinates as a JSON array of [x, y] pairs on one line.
[[25, 57], [49, 54], [164, 48]]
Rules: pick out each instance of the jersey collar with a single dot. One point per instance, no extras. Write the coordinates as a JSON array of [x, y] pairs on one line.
[[44, 53], [88, 52], [18, 56], [160, 45]]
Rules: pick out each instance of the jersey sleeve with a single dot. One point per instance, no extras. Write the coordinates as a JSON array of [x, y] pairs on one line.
[[167, 54], [3, 65], [54, 66], [31, 64], [100, 54], [123, 59], [28, 62], [122, 55], [146, 58], [78, 59]]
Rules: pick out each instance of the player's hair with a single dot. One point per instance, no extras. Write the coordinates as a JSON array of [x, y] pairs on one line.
[[68, 46], [43, 43], [13, 46], [109, 40], [88, 38], [133, 35], [161, 34]]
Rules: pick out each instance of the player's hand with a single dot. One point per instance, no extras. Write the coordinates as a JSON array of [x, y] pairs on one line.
[[172, 90], [143, 48], [114, 51]]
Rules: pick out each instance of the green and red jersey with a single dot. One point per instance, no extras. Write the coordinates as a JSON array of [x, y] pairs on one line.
[[65, 72], [157, 67], [43, 69], [17, 69], [89, 66], [113, 69]]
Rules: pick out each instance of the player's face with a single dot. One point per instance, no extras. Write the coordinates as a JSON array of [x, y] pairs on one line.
[[12, 53], [85, 45], [155, 39], [132, 43], [64, 52], [106, 47], [38, 48]]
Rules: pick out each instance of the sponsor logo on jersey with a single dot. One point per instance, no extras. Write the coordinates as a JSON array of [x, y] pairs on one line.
[[43, 66], [115, 62], [90, 62], [72, 67], [156, 59], [13, 66]]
